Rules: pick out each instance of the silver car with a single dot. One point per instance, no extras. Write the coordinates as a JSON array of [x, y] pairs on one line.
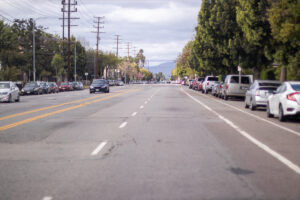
[[9, 92], [257, 95], [234, 86]]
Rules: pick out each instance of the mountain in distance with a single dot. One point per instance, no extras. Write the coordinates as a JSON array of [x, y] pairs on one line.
[[165, 68]]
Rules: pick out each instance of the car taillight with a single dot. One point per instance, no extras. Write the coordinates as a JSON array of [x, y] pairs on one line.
[[221, 86], [257, 93], [291, 96], [227, 87], [207, 83]]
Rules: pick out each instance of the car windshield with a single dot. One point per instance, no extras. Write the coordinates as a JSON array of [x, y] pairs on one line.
[[4, 85], [64, 83], [99, 81], [296, 87], [244, 79]]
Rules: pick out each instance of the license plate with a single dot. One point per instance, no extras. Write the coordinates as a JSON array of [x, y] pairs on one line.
[[244, 88], [97, 90], [28, 92]]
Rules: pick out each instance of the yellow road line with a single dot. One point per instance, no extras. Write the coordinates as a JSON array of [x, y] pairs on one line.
[[48, 107], [3, 128]]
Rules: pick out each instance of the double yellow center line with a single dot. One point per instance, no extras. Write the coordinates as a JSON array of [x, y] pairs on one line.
[[3, 128]]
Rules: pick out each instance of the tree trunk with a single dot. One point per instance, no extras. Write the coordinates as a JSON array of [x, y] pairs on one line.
[[283, 74]]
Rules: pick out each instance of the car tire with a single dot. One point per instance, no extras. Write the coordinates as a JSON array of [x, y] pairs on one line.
[[205, 91], [225, 97], [18, 98], [281, 116], [246, 105], [269, 115], [10, 99], [252, 107]]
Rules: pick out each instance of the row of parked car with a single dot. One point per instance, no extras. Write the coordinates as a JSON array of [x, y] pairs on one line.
[[281, 100], [39, 87]]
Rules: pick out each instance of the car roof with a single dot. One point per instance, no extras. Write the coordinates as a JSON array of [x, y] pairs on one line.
[[267, 81], [293, 82]]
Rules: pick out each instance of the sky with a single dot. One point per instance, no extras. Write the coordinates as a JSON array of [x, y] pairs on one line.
[[160, 27]]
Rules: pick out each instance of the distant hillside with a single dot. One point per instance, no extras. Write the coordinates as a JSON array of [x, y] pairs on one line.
[[165, 68]]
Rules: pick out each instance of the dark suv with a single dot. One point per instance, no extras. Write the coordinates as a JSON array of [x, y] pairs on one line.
[[99, 85]]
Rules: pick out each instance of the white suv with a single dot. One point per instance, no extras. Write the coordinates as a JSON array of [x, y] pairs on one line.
[[208, 82]]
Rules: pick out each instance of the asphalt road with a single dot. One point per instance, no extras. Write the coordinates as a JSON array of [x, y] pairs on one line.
[[145, 142]]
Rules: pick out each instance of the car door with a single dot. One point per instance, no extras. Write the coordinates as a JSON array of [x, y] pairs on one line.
[[276, 99]]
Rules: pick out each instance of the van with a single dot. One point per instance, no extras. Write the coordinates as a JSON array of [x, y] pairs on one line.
[[236, 87]]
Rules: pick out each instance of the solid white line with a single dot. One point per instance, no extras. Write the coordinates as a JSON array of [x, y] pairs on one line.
[[134, 114], [99, 148], [123, 125], [141, 107], [261, 145], [257, 117], [47, 198]]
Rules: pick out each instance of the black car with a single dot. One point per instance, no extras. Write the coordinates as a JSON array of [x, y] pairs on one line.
[[32, 88], [99, 85], [46, 88]]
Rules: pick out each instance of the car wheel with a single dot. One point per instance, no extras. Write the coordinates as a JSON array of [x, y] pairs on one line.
[[268, 111], [246, 105], [252, 107], [9, 99], [18, 98], [225, 97], [205, 91], [281, 116]]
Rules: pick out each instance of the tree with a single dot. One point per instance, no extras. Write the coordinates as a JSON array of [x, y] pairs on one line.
[[284, 19], [252, 18], [160, 76], [147, 75], [58, 64]]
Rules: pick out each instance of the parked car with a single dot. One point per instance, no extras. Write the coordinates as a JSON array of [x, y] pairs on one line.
[[236, 87], [257, 95], [214, 88], [285, 101], [191, 83], [45, 87], [120, 83], [208, 83], [9, 92], [65, 86], [32, 88], [220, 88], [111, 82], [196, 83], [99, 85], [200, 85], [77, 85], [53, 87]]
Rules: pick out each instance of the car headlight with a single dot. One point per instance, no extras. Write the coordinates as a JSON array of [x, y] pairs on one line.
[[91, 87], [36, 89], [22, 90]]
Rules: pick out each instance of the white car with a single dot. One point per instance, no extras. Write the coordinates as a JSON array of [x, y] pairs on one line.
[[9, 92], [285, 101]]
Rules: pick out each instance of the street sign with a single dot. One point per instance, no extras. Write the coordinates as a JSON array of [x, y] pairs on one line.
[[239, 68], [86, 73]]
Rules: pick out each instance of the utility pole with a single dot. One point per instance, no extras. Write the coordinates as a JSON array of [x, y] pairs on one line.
[[33, 46], [134, 51], [128, 49], [118, 42], [75, 73], [63, 27], [98, 27], [70, 8]]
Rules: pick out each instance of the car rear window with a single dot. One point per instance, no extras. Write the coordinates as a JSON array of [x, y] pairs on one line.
[[4, 85], [212, 78], [99, 81], [268, 88], [296, 87], [270, 84], [235, 79]]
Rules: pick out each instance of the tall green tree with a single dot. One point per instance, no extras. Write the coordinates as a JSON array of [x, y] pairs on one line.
[[284, 18]]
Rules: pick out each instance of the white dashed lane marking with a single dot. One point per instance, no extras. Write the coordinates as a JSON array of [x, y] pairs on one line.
[[123, 125], [99, 148], [134, 114]]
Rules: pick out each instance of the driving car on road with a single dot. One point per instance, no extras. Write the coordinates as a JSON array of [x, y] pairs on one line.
[[32, 88], [257, 95], [99, 85], [9, 92], [285, 101]]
